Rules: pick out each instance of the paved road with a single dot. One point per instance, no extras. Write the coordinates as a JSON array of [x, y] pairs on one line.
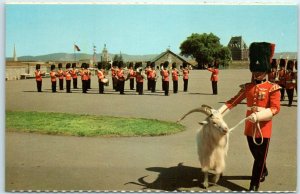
[[166, 163]]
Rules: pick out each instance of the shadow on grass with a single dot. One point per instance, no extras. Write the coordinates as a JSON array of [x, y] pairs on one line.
[[180, 176]]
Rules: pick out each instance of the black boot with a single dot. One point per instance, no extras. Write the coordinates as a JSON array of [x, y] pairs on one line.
[[253, 188], [263, 177]]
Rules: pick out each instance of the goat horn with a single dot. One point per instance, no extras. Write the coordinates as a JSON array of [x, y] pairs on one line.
[[204, 109]]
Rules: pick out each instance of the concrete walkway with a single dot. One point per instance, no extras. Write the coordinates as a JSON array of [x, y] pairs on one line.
[[166, 163]]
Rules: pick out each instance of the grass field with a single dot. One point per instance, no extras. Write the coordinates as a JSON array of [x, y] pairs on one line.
[[87, 125]]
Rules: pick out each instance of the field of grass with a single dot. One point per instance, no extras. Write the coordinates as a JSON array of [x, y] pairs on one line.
[[87, 125]]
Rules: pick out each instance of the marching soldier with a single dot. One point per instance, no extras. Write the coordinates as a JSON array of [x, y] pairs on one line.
[[263, 102], [74, 73], [53, 75], [162, 77], [281, 77], [147, 72], [290, 81], [185, 72], [175, 75], [101, 76], [272, 76], [114, 74], [214, 77], [38, 77], [89, 77], [121, 77], [85, 78], [68, 76], [165, 74], [140, 80], [153, 77], [131, 76], [60, 74]]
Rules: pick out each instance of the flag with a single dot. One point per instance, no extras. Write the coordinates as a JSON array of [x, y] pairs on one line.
[[76, 47]]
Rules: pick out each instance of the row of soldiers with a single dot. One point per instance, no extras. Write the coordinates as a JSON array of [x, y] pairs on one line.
[[119, 75], [285, 76]]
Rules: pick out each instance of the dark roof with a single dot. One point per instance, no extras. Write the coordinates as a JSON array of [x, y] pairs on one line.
[[168, 51], [237, 42]]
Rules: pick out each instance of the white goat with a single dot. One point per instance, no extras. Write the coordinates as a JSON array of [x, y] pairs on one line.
[[212, 141]]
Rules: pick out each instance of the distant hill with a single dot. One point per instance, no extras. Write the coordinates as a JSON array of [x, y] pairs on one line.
[[81, 56], [126, 57]]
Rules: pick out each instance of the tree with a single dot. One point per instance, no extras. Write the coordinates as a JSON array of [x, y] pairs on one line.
[[206, 49]]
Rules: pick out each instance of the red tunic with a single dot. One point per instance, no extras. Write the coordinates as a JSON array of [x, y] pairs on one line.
[[68, 75], [38, 75], [53, 76], [214, 75], [258, 96], [60, 74], [281, 76], [290, 80], [185, 73], [175, 75]]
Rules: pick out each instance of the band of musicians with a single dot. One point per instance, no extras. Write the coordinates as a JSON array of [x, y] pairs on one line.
[[119, 73]]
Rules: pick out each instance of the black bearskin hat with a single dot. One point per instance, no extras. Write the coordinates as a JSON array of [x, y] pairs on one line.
[[73, 65], [174, 65], [166, 64], [68, 65], [152, 64], [37, 66], [260, 54], [100, 65], [52, 67], [184, 65], [59, 65], [120, 64], [274, 63], [290, 65], [282, 63]]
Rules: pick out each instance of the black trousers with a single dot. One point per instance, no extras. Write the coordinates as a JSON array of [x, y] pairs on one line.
[[153, 85], [282, 92], [75, 83], [290, 94], [214, 85], [166, 87], [101, 87], [148, 84], [259, 153], [140, 87], [121, 84], [131, 84], [89, 83], [114, 82], [53, 84], [175, 86], [39, 86], [185, 85], [68, 86], [84, 86], [61, 84]]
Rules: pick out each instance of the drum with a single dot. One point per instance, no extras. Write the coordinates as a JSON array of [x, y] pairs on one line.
[[105, 81]]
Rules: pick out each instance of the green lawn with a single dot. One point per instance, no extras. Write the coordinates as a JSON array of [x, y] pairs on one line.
[[87, 125]]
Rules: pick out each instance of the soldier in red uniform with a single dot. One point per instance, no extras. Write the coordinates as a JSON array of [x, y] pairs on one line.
[[101, 76], [140, 80], [85, 74], [165, 74], [121, 77], [272, 76], [68, 76], [114, 75], [263, 102], [60, 74], [147, 72], [185, 72], [290, 81], [175, 75], [53, 75], [214, 77], [38, 77], [281, 77], [153, 77], [74, 73], [131, 74]]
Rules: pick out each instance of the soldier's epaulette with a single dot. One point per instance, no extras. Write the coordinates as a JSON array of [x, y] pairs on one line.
[[274, 87], [243, 86]]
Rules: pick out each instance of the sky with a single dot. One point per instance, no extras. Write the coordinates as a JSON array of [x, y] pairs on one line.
[[37, 29]]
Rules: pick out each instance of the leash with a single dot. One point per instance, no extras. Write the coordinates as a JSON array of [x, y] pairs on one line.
[[253, 136]]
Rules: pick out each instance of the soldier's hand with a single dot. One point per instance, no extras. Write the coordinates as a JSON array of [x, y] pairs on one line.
[[252, 118]]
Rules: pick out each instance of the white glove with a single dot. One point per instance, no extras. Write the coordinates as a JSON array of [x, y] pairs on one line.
[[223, 110], [264, 115]]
